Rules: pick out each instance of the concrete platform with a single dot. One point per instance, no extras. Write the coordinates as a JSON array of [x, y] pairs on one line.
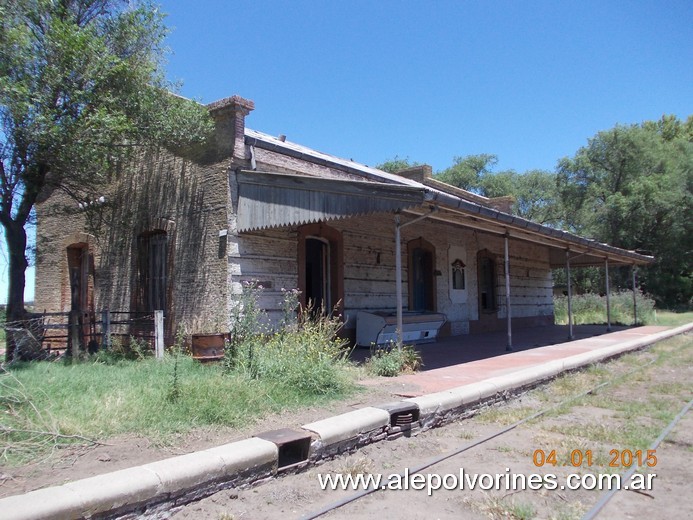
[[439, 394], [454, 362]]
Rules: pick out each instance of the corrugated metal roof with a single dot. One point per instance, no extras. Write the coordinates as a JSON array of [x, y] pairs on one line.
[[267, 200], [447, 199], [255, 138]]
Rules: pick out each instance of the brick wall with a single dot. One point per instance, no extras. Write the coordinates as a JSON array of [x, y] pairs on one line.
[[158, 190], [270, 257]]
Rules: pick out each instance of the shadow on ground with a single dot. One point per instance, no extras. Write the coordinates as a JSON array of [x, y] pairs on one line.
[[473, 347]]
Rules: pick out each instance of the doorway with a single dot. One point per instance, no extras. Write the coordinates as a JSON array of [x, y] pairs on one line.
[[318, 273], [422, 283], [321, 268]]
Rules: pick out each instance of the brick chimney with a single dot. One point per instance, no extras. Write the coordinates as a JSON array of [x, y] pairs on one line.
[[229, 121], [417, 173]]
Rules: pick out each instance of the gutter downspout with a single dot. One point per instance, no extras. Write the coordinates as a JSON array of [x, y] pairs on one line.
[[398, 269]]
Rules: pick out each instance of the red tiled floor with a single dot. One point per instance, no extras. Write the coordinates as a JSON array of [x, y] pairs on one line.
[[461, 360]]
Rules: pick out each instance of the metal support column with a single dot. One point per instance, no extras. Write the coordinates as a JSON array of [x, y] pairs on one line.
[[570, 295], [398, 268], [635, 301], [509, 346], [608, 295], [398, 280]]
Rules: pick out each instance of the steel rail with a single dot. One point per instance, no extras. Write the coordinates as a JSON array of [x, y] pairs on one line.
[[356, 496], [608, 495]]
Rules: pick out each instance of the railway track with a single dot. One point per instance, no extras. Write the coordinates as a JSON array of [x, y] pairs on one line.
[[568, 427], [590, 515]]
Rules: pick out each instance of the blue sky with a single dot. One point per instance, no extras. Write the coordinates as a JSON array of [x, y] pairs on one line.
[[528, 81], [370, 80]]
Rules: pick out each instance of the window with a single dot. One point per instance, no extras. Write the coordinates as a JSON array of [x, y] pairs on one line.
[[152, 266], [458, 282], [487, 281], [422, 289]]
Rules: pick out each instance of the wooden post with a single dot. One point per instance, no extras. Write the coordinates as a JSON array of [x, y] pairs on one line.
[[509, 346], [106, 328], [159, 334], [608, 296], [398, 281], [74, 346], [570, 295]]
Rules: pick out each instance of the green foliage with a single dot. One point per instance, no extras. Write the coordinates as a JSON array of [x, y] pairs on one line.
[[590, 308], [396, 164], [305, 354], [631, 187], [467, 172], [535, 192], [177, 349], [97, 400], [81, 87], [672, 319], [122, 349], [391, 361]]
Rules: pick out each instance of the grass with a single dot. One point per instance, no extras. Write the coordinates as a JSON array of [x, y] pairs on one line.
[[391, 361], [98, 400], [672, 318], [124, 390], [503, 509], [590, 309]]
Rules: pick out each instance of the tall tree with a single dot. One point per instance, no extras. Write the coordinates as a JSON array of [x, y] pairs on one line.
[[81, 86], [397, 164], [535, 192], [467, 171], [631, 187]]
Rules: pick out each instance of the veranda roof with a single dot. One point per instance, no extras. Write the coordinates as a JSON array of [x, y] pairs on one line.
[[275, 199]]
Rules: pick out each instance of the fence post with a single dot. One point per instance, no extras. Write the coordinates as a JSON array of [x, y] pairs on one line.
[[74, 326], [106, 328], [159, 334]]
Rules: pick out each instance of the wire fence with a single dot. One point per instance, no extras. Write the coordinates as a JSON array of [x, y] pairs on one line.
[[52, 333]]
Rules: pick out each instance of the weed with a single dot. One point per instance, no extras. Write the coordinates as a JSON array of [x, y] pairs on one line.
[[498, 508], [124, 349], [390, 361], [176, 350], [98, 400], [356, 466], [304, 354]]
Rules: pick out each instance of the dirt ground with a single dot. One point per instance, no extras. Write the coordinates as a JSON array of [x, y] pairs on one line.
[[596, 424], [73, 462], [592, 424]]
